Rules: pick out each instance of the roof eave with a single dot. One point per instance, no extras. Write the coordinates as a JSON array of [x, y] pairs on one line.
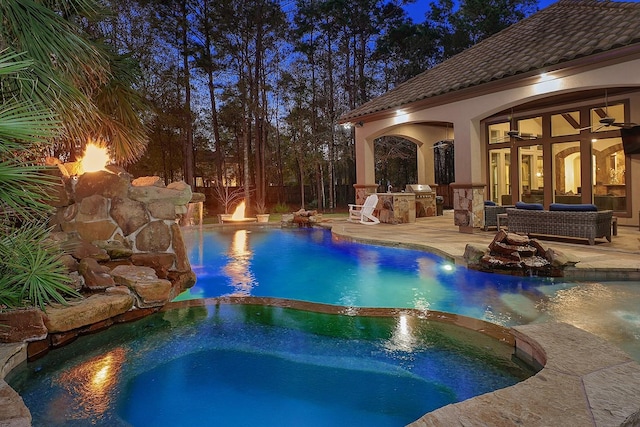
[[562, 69]]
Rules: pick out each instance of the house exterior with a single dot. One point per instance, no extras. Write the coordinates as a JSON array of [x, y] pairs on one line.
[[536, 112]]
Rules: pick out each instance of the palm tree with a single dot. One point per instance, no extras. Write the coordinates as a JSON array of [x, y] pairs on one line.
[[86, 85], [58, 89]]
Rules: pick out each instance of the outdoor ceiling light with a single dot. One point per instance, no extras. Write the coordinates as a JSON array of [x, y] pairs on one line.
[[547, 83]]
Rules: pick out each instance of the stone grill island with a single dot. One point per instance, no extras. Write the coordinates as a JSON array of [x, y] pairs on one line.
[[124, 251]]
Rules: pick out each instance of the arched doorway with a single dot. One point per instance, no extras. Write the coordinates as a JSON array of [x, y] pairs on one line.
[[395, 162]]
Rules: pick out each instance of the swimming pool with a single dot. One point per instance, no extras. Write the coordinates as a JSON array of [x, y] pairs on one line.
[[98, 379], [234, 365], [310, 265]]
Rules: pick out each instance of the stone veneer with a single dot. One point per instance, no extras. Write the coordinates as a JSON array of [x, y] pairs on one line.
[[396, 208], [468, 206], [363, 191], [127, 256]]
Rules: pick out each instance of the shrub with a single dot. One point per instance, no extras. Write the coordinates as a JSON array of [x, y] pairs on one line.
[[32, 273], [281, 208]]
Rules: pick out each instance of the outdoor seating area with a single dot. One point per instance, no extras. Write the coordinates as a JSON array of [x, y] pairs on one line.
[[588, 225]]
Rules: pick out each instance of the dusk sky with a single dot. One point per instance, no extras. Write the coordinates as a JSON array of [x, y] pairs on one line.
[[417, 9]]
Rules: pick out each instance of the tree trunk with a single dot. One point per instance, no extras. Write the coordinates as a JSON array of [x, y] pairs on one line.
[[217, 144], [187, 148], [245, 161]]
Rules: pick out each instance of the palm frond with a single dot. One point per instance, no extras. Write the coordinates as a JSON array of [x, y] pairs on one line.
[[9, 291], [22, 122], [24, 190], [11, 62], [52, 41], [121, 108], [33, 266], [86, 8]]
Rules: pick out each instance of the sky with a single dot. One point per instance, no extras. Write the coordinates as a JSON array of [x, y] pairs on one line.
[[417, 9]]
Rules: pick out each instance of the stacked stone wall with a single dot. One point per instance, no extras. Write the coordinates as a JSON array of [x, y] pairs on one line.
[[126, 254]]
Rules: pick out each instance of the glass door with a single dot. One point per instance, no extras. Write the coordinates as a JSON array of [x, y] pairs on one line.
[[531, 174], [609, 187], [500, 178], [567, 181]]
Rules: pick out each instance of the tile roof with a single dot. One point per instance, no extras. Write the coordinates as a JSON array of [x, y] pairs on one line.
[[566, 30]]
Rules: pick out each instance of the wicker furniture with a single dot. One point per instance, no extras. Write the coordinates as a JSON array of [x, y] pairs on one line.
[[581, 225], [503, 220], [491, 215]]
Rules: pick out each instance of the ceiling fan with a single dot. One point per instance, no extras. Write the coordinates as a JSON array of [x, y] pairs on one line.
[[445, 143], [605, 119], [515, 133]]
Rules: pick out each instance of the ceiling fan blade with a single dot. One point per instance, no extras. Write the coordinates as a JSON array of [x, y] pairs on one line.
[[624, 125], [503, 139], [447, 143]]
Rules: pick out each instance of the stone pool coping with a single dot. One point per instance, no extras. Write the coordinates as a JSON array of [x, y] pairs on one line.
[[584, 380], [13, 411]]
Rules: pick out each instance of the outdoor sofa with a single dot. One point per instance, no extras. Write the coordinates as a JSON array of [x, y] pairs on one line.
[[581, 221], [491, 211]]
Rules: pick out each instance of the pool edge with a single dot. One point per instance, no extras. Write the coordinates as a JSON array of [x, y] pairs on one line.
[[585, 381], [493, 330], [13, 411]]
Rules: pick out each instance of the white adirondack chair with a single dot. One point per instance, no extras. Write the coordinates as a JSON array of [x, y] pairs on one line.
[[364, 213]]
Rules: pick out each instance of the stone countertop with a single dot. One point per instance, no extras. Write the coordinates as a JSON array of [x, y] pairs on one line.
[[398, 194]]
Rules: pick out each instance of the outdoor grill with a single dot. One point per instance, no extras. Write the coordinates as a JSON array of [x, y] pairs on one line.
[[425, 199]]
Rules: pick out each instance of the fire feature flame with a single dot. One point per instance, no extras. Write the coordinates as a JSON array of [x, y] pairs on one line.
[[95, 158], [239, 212]]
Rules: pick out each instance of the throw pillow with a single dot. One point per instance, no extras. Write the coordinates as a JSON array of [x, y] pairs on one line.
[[530, 206], [585, 207]]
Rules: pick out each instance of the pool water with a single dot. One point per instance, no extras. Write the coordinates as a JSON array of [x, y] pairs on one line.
[[237, 365], [310, 265]]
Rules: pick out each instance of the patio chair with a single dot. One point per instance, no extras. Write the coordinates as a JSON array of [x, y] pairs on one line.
[[364, 213]]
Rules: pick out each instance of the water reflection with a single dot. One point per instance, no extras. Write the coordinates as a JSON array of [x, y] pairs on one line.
[[432, 290], [90, 386], [238, 269], [402, 338], [607, 310], [367, 276]]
